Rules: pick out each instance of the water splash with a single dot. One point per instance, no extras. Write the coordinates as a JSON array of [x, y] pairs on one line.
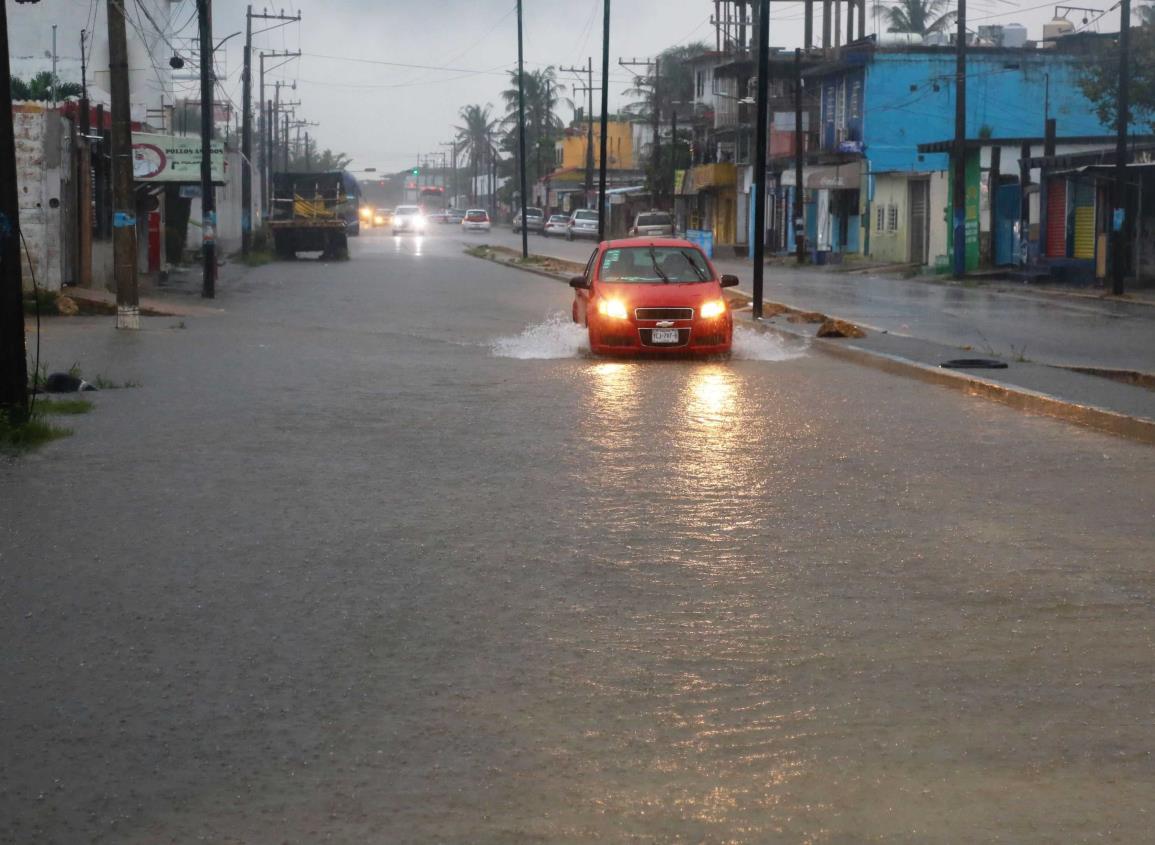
[[753, 345], [557, 337]]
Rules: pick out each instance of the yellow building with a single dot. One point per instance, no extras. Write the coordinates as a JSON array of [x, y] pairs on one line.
[[570, 151]]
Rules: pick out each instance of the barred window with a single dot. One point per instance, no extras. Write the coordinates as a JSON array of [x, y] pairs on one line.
[[892, 218], [880, 218]]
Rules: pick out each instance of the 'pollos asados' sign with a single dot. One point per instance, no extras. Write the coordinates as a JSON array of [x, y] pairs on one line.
[[173, 158]]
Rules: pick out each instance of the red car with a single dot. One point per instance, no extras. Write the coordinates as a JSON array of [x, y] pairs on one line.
[[653, 296]]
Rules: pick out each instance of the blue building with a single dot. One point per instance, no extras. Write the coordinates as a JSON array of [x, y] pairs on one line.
[[868, 188]]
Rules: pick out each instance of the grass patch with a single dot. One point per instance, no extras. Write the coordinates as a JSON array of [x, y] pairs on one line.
[[256, 258], [28, 434], [480, 251], [40, 301], [63, 406], [102, 383]]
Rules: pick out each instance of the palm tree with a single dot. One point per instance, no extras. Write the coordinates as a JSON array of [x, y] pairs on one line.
[[542, 92], [918, 16], [1146, 15], [475, 137]]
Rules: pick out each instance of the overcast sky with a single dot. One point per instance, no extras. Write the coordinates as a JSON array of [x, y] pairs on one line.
[[385, 79], [385, 115]]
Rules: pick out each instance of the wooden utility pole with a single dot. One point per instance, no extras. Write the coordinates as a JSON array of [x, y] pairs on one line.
[[521, 131], [208, 190], [799, 157], [760, 131], [84, 183], [247, 138], [13, 360], [123, 196], [959, 158], [1120, 227], [605, 121]]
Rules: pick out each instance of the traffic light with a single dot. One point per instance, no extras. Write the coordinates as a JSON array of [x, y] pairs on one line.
[[416, 171]]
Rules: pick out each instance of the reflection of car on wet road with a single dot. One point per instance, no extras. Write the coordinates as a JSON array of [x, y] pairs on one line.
[[653, 297], [408, 218]]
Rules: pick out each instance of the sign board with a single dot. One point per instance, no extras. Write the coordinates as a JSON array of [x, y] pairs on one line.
[[173, 158]]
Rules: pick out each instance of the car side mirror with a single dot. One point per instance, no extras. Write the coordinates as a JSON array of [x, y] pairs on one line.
[[579, 283], [729, 281]]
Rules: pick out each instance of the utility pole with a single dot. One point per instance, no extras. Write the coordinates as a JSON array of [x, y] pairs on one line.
[[605, 121], [268, 121], [53, 66], [247, 121], [13, 360], [84, 186], [656, 152], [123, 197], [453, 146], [673, 159], [208, 191], [588, 89], [521, 129], [760, 153], [1120, 226], [959, 160], [799, 156]]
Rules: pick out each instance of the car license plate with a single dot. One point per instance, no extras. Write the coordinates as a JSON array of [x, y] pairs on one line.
[[664, 336]]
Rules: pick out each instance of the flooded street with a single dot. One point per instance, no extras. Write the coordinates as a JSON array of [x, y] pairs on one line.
[[386, 556]]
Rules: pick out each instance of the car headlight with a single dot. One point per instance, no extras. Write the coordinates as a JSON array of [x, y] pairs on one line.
[[613, 308], [713, 308], [366, 213]]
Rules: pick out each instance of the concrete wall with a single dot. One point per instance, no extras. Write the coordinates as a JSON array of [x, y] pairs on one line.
[[890, 195], [47, 192]]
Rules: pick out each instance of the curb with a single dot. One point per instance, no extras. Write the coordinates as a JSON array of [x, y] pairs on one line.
[[1024, 399]]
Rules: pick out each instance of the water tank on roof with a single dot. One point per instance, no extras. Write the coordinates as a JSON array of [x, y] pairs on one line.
[[900, 39], [1056, 29], [1014, 35]]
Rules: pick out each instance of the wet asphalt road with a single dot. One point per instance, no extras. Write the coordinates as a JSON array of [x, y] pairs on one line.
[[363, 560]]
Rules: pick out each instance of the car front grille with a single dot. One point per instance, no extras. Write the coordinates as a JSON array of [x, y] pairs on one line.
[[617, 340], [709, 339], [664, 313], [683, 339]]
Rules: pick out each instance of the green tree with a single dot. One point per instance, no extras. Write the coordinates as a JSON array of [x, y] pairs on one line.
[[1099, 79], [39, 88], [324, 161], [1146, 15], [918, 16], [475, 139]]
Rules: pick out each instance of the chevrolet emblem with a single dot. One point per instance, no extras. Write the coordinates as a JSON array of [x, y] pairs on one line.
[[664, 324]]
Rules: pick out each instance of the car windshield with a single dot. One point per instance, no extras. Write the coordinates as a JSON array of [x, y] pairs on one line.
[[558, 218], [533, 212], [408, 209], [585, 215], [653, 220], [647, 265]]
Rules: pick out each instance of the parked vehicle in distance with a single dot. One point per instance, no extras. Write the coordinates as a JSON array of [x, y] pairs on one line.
[[558, 224], [383, 217], [659, 224], [657, 297], [534, 220], [475, 220], [408, 218], [583, 223], [456, 215], [438, 216], [314, 212]]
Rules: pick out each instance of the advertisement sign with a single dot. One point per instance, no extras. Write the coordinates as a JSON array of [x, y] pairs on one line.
[[173, 158]]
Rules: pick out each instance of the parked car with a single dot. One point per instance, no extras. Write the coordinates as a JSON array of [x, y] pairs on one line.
[[557, 224], [653, 224], [583, 223], [659, 298], [534, 220], [475, 220], [456, 215], [439, 216], [408, 218]]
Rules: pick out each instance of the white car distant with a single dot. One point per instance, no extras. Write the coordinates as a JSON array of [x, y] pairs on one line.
[[557, 224], [475, 220], [583, 223], [408, 218]]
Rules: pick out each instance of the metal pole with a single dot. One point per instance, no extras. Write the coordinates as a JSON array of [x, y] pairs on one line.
[[760, 153], [590, 136], [84, 192], [1120, 228], [13, 360], [123, 197], [799, 155], [605, 122], [673, 158], [247, 138], [959, 162], [53, 65], [657, 121], [521, 131], [208, 195]]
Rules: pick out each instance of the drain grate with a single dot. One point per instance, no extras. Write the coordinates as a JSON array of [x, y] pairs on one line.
[[974, 364]]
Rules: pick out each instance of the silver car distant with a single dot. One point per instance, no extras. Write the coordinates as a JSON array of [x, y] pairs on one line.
[[583, 223], [653, 224], [558, 224], [534, 220], [475, 220]]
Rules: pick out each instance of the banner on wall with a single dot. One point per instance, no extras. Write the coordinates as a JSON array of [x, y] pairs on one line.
[[173, 158]]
